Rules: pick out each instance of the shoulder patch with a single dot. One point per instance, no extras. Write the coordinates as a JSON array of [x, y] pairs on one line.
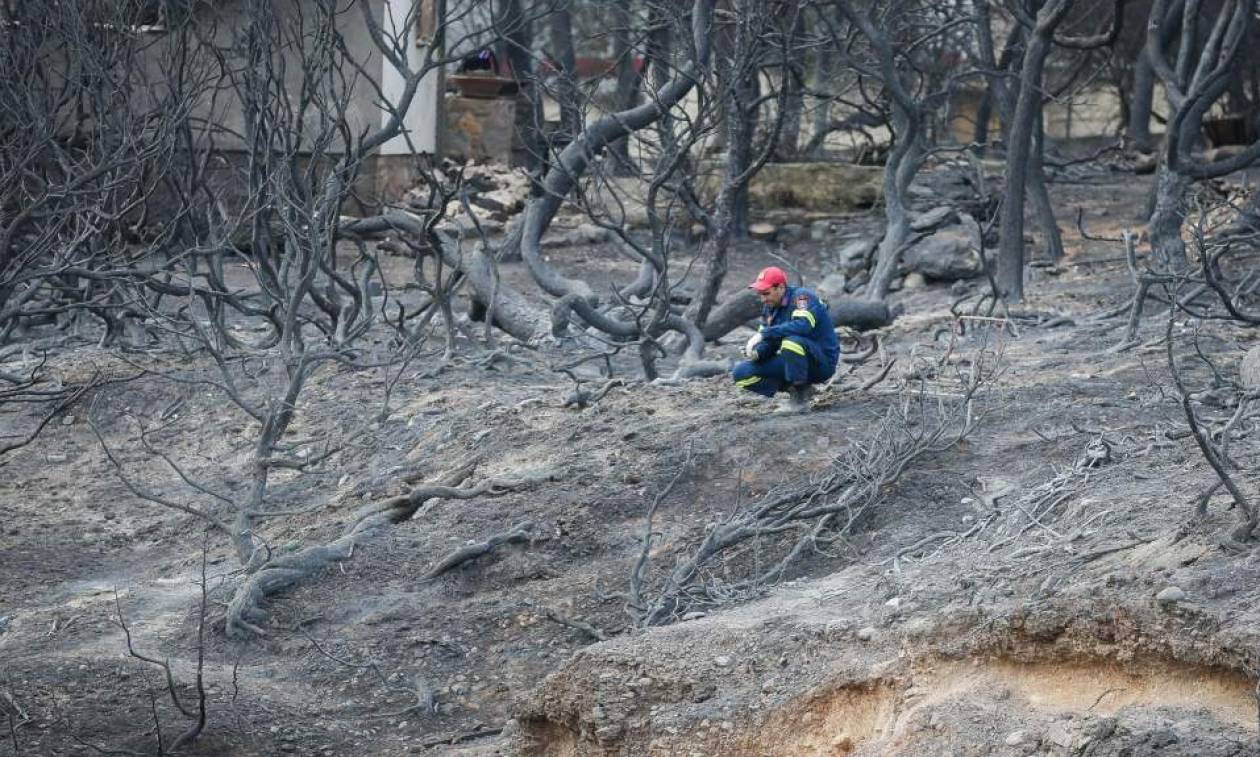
[[802, 301]]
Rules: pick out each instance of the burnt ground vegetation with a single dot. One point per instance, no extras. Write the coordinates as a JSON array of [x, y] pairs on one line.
[[1036, 579]]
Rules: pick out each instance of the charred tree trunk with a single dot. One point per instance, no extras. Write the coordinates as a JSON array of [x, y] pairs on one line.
[[1042, 205], [987, 58], [823, 72], [572, 162], [1141, 103], [1197, 79], [565, 90], [741, 123], [794, 98], [517, 40], [1001, 91], [627, 82], [1010, 262], [903, 161], [1167, 217]]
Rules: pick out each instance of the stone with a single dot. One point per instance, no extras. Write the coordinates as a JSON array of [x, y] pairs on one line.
[[819, 230], [914, 280], [1145, 164], [894, 603], [764, 232], [831, 287], [949, 253], [867, 633], [824, 187], [479, 129], [722, 661], [933, 218], [1171, 595], [589, 233], [551, 241], [1059, 735], [856, 250], [791, 232], [1016, 738], [1249, 370]]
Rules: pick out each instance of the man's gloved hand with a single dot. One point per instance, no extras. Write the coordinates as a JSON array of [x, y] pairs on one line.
[[750, 348]]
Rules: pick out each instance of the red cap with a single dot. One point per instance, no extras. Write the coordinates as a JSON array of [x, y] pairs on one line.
[[768, 277]]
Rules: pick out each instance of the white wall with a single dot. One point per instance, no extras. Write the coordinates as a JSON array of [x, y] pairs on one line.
[[420, 122]]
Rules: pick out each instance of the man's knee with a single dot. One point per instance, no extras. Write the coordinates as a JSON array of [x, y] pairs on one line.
[[745, 376], [796, 361]]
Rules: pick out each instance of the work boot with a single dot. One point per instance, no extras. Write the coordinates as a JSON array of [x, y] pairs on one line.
[[798, 398]]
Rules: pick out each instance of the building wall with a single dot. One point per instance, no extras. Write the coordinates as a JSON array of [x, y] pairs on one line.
[[385, 176]]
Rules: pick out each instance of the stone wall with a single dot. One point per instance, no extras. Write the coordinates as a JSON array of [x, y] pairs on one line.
[[479, 129]]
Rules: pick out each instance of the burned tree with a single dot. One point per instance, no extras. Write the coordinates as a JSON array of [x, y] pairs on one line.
[[1194, 80], [1026, 140]]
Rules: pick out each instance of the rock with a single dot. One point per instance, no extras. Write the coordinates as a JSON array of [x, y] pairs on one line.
[[1170, 595], [825, 187], [896, 284], [791, 232], [894, 603], [867, 633], [589, 233], [1145, 164], [585, 233], [819, 230], [914, 280], [722, 661], [831, 287], [479, 129], [698, 232], [67, 420], [764, 232], [1249, 370], [501, 203], [1059, 735], [949, 253], [856, 250], [1016, 738], [934, 218]]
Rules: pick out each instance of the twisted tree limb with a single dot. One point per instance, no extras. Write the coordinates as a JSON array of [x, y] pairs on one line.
[[245, 611], [517, 534]]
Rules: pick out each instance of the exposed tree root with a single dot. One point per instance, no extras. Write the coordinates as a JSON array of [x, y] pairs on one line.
[[469, 552], [245, 613]]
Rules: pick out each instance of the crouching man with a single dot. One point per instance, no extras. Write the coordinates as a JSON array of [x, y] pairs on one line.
[[795, 346]]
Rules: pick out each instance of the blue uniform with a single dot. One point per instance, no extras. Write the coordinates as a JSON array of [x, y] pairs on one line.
[[798, 346]]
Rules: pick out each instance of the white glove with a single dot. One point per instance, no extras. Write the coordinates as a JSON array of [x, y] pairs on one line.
[[750, 348]]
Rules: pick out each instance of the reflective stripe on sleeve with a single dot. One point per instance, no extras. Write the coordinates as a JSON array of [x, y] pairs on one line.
[[747, 381], [790, 346], [807, 316]]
